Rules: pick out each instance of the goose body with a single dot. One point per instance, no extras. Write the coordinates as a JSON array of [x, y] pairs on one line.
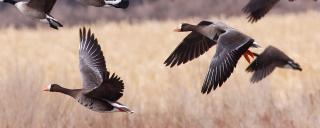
[[100, 90], [37, 9], [106, 3], [96, 104], [270, 59], [231, 45]]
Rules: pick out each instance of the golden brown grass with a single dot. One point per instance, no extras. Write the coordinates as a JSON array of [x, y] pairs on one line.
[[160, 96]]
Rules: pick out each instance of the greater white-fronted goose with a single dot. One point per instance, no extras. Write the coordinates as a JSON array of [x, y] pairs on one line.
[[256, 9], [106, 3], [37, 9], [100, 90], [232, 44], [267, 61]]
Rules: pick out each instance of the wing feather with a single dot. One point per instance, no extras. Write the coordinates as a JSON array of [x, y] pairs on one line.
[[92, 64], [256, 9], [96, 80], [190, 48], [225, 60]]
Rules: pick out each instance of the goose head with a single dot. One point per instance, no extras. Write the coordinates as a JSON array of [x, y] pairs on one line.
[[293, 65], [53, 88], [184, 27]]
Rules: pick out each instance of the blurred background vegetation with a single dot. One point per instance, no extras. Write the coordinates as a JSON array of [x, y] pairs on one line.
[[135, 43], [70, 12]]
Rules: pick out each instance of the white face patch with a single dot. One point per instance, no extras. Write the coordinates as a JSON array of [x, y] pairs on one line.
[[180, 27], [49, 87]]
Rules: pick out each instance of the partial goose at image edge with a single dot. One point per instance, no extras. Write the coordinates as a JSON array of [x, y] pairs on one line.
[[37, 9]]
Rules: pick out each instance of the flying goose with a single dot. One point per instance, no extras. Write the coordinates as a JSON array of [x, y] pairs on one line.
[[106, 3], [37, 9], [256, 9], [267, 61], [231, 45], [100, 90]]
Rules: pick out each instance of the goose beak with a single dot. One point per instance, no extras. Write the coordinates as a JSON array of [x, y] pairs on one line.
[[177, 30], [46, 89]]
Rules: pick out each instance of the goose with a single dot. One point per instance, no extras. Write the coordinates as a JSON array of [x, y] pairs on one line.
[[231, 45], [267, 61], [100, 90], [37, 9], [106, 3], [256, 9]]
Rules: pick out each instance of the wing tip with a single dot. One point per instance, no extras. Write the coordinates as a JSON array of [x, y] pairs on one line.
[[170, 63], [249, 68], [254, 80]]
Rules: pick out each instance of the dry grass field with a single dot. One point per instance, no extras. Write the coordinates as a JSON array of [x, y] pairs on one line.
[[161, 97]]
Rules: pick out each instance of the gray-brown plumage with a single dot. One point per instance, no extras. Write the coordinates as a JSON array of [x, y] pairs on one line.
[[256, 9], [231, 45], [100, 90], [267, 61], [106, 3], [37, 9]]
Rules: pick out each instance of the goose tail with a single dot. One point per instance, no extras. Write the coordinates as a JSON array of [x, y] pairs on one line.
[[117, 3], [121, 108], [55, 24]]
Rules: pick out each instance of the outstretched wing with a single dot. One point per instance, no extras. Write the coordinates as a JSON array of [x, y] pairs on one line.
[[96, 80], [256, 9], [230, 48], [42, 5], [192, 46], [92, 64]]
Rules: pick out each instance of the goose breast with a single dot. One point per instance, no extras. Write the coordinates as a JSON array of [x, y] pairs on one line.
[[94, 104]]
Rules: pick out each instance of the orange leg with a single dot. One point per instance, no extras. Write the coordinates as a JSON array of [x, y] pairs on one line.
[[247, 55]]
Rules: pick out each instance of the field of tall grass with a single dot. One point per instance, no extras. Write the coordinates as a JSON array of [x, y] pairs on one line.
[[161, 97]]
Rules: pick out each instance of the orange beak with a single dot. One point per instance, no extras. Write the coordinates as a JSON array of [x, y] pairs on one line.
[[46, 89], [247, 55], [177, 30]]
